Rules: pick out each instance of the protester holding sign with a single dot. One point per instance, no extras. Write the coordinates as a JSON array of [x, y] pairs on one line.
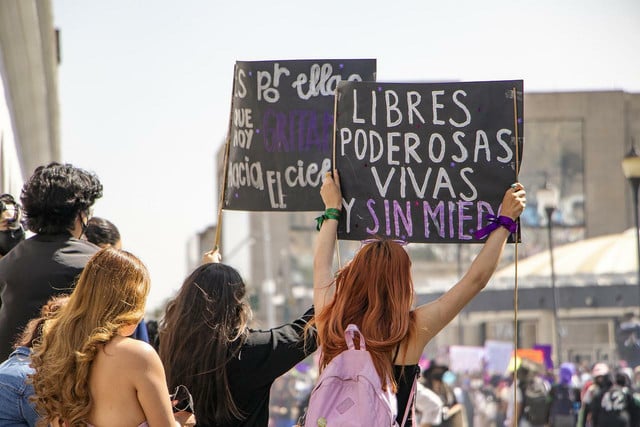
[[375, 292]]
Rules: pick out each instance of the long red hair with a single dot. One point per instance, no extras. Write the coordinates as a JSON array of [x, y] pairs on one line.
[[375, 292]]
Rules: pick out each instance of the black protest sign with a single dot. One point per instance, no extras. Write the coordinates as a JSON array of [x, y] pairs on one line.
[[281, 131], [425, 162]]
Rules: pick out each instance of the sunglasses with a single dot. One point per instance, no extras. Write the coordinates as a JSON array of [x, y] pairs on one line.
[[181, 400], [397, 241]]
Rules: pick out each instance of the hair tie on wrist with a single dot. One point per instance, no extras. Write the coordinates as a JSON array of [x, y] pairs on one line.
[[329, 213], [495, 222]]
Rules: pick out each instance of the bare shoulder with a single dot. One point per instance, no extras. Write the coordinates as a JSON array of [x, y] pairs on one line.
[[131, 352], [426, 328]]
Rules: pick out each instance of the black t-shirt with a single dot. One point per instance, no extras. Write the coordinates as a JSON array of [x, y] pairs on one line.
[[614, 407], [265, 356], [31, 273], [563, 400]]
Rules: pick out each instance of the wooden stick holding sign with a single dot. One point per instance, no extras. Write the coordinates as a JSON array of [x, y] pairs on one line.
[[225, 164], [515, 287], [333, 162], [216, 242]]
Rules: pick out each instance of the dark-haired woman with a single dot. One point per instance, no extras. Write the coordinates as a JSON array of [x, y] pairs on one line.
[[207, 345]]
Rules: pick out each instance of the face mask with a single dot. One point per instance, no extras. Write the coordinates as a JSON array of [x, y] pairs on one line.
[[449, 378], [9, 239]]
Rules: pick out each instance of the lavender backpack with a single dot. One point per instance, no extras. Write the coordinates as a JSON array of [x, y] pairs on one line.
[[349, 392]]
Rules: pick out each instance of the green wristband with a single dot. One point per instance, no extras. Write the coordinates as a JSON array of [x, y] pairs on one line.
[[329, 213]]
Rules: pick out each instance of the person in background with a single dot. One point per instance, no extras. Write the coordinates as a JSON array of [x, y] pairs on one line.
[[103, 233], [207, 345], [11, 230], [531, 407], [57, 201], [375, 292], [16, 406], [614, 404], [565, 399], [601, 379], [484, 401], [515, 407], [460, 387], [433, 378], [152, 329], [504, 395], [428, 407], [87, 369]]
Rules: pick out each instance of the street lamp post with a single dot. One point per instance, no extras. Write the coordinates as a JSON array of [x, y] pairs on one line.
[[631, 170], [548, 199]]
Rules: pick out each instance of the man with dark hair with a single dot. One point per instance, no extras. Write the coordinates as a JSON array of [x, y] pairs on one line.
[[57, 201]]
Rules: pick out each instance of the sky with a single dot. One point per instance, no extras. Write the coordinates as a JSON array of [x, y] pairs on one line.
[[145, 86]]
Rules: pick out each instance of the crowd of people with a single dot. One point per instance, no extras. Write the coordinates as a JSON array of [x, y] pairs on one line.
[[574, 396], [72, 300]]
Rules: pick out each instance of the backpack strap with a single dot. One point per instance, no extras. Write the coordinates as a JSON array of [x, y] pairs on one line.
[[349, 334], [410, 403], [395, 353]]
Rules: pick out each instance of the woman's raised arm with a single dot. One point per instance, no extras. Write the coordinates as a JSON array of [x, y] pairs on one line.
[[434, 316], [325, 243]]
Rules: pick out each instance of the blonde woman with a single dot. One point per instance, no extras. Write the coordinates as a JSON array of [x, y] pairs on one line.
[[87, 371]]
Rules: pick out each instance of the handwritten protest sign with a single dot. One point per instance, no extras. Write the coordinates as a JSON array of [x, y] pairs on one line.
[[281, 131], [425, 162]]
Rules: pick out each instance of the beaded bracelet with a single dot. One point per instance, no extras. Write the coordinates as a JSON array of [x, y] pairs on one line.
[[495, 222], [329, 213]]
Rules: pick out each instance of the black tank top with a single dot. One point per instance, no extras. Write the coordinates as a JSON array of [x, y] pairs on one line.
[[404, 376]]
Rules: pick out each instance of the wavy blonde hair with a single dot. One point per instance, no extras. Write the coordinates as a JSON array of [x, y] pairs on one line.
[[110, 294], [375, 292]]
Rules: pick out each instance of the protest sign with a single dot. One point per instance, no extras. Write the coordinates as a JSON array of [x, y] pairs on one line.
[[425, 162], [497, 356], [281, 130], [466, 359]]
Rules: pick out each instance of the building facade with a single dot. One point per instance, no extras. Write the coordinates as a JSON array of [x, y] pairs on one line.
[[29, 118]]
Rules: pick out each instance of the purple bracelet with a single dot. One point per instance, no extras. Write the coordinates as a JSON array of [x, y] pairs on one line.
[[495, 222]]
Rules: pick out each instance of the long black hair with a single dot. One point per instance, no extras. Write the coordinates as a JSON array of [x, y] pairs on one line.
[[203, 328]]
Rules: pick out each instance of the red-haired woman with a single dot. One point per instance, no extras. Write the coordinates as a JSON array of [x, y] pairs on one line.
[[375, 292]]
